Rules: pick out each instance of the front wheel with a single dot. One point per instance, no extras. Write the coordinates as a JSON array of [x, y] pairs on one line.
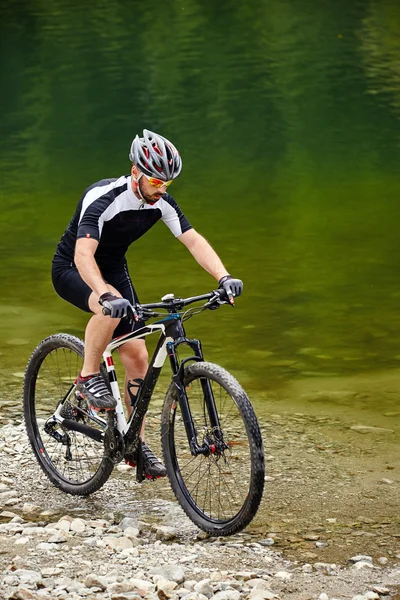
[[219, 490]]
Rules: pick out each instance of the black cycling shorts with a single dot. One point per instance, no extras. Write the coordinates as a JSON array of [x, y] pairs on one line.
[[70, 286]]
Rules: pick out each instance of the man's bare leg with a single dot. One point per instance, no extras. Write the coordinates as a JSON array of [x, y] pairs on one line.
[[98, 334], [135, 359]]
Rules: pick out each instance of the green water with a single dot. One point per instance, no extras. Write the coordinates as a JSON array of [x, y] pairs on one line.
[[287, 118]]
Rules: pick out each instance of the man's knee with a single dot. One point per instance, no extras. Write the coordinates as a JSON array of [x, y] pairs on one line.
[[134, 354]]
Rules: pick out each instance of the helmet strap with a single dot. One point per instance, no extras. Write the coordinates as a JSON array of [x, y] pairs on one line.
[[136, 180]]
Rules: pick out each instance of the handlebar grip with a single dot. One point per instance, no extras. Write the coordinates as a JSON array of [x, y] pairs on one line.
[[227, 295], [107, 312]]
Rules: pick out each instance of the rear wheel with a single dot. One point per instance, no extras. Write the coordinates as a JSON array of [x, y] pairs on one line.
[[220, 490], [74, 462]]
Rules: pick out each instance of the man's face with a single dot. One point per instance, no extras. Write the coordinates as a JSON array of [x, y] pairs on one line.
[[149, 192]]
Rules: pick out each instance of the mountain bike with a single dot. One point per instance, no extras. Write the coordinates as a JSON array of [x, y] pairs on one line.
[[210, 437]]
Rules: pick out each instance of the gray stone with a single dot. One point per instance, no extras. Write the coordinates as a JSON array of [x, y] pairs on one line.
[[129, 522], [21, 541], [283, 575], [164, 533], [189, 584], [370, 429], [166, 586], [118, 543], [132, 532], [170, 572], [57, 538], [78, 525], [382, 591], [62, 524], [63, 582], [46, 546], [51, 571], [9, 494], [6, 514], [27, 576], [142, 586], [259, 594], [226, 595], [121, 587], [128, 596], [10, 580], [360, 557], [267, 542], [23, 593], [96, 581], [31, 509], [98, 523], [204, 587]]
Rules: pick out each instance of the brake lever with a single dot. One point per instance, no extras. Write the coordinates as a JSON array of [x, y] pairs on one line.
[[216, 301], [135, 314]]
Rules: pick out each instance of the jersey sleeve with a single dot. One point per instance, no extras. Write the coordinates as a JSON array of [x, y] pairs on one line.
[[173, 217], [95, 211]]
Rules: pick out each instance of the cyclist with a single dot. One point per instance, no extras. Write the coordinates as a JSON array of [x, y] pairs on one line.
[[90, 269]]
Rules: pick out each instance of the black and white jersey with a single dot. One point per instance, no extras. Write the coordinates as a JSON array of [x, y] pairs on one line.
[[110, 213]]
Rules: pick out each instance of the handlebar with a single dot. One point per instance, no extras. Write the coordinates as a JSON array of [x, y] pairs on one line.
[[215, 299]]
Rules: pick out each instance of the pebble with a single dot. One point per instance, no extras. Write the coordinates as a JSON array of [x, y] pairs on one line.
[[370, 429], [31, 509], [360, 557], [284, 575], [170, 572], [382, 591], [77, 525], [262, 595], [267, 542], [46, 546], [203, 587], [226, 595], [118, 543], [96, 581], [165, 533]]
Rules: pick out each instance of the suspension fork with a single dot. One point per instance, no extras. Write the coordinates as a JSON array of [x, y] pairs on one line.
[[178, 379]]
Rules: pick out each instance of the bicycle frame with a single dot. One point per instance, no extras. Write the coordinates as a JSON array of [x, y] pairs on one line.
[[172, 335]]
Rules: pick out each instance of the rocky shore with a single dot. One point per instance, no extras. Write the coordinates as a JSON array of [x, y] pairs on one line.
[[129, 542]]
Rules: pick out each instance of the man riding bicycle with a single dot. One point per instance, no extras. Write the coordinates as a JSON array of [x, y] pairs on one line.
[[90, 269]]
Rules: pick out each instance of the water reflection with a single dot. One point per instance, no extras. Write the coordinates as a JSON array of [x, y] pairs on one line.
[[380, 44], [287, 119]]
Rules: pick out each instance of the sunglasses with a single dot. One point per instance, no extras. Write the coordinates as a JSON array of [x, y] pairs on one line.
[[157, 183]]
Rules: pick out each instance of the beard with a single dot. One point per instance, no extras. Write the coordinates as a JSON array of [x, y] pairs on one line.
[[149, 197]]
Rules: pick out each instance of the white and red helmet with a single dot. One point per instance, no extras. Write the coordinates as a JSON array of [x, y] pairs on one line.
[[155, 156]]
